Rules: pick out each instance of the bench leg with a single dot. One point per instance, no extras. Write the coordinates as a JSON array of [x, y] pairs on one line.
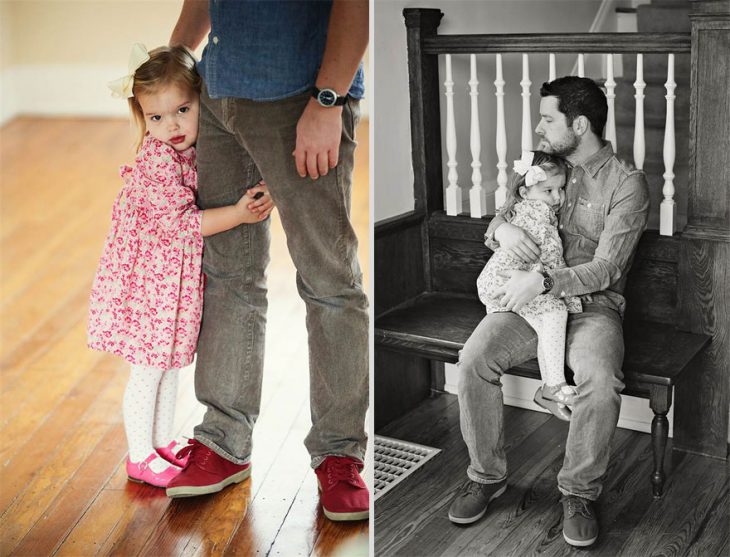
[[660, 400]]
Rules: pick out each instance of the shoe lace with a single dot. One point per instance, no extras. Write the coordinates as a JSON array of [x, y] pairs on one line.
[[473, 488], [198, 452], [342, 469], [578, 505]]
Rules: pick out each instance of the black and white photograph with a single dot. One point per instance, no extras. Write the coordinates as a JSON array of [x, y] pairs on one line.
[[551, 277]]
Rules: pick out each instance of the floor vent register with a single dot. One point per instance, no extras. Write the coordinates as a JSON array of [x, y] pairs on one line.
[[395, 460]]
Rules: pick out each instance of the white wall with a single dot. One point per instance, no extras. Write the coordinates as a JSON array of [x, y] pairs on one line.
[[393, 174], [57, 56]]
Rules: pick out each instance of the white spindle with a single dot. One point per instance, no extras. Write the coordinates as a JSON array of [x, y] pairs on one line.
[[526, 117], [453, 191], [581, 65], [551, 76], [610, 97], [639, 86], [477, 195], [500, 195], [668, 208]]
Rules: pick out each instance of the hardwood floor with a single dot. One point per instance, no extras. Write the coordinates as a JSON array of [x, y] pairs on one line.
[[691, 519], [64, 489]]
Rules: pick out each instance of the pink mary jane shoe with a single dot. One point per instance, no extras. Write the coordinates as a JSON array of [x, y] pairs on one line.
[[141, 472], [170, 455]]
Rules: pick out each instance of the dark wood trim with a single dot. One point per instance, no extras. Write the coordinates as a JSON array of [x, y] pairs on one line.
[[398, 223], [423, 81], [559, 42]]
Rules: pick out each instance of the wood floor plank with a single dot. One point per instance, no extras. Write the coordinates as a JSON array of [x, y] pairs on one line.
[[52, 528], [717, 523], [30, 501], [668, 530], [29, 507], [28, 405], [40, 448]]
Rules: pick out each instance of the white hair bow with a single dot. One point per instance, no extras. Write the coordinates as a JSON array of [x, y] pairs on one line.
[[532, 174], [122, 87]]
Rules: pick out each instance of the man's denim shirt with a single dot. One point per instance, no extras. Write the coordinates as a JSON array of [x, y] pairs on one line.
[[605, 212], [266, 50]]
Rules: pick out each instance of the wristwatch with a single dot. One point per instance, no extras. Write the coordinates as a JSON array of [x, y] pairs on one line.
[[328, 97], [547, 283]]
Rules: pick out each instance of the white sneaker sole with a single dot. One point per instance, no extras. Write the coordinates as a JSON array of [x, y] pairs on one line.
[[342, 517], [471, 519], [193, 491], [579, 543]]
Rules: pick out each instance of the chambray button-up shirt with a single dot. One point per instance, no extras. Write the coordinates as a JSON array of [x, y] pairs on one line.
[[605, 212], [266, 50]]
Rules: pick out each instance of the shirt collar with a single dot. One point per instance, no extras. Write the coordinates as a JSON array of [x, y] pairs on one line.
[[595, 162]]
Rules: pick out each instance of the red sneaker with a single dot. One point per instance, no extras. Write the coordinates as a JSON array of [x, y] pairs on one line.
[[205, 472], [344, 495]]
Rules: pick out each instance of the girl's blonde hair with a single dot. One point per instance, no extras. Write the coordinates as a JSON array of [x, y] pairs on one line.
[[551, 164], [168, 65]]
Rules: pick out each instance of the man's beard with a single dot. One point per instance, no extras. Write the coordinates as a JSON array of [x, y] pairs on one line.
[[564, 147]]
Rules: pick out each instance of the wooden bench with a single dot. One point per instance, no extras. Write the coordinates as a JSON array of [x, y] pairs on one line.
[[433, 324]]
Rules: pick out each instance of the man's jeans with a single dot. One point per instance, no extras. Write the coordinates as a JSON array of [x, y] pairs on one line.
[[594, 351], [241, 141]]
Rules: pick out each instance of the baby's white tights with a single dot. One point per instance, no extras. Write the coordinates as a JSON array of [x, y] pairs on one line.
[[550, 329], [149, 412]]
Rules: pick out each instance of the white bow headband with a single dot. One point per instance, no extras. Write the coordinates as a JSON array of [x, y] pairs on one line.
[[122, 87], [532, 174]]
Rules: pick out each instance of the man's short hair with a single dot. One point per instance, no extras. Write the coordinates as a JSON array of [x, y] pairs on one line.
[[579, 96]]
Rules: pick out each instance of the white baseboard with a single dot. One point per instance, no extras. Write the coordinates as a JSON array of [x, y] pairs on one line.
[[518, 391], [59, 90]]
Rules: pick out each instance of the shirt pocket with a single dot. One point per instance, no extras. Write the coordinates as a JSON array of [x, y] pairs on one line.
[[588, 218]]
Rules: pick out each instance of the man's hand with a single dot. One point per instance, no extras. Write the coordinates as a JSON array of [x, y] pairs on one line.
[[318, 139], [521, 288], [517, 242]]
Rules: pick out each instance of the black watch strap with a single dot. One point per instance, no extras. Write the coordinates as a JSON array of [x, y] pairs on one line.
[[547, 283]]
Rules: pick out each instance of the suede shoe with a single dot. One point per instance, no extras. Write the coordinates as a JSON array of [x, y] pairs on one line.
[[472, 501], [205, 472], [580, 527], [343, 493]]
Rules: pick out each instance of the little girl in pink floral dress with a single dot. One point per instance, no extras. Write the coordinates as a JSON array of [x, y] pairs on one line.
[[147, 296]]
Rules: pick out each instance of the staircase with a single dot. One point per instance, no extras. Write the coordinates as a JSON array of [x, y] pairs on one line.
[[660, 16]]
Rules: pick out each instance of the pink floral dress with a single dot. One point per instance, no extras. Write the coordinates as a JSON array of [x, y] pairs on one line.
[[147, 297]]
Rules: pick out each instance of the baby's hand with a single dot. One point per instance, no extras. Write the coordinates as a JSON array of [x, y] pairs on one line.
[[256, 204]]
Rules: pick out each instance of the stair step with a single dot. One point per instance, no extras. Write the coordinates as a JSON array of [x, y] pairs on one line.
[[655, 105], [653, 18]]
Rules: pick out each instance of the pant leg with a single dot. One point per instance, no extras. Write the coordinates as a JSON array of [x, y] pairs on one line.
[[323, 246], [229, 364], [502, 340], [595, 353]]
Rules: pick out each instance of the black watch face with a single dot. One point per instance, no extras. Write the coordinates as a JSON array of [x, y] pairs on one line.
[[327, 97], [547, 283]]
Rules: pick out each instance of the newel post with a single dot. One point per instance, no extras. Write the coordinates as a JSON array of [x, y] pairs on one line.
[[423, 83], [702, 400]]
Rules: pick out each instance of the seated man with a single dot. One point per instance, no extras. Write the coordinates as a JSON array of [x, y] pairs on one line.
[[603, 217]]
